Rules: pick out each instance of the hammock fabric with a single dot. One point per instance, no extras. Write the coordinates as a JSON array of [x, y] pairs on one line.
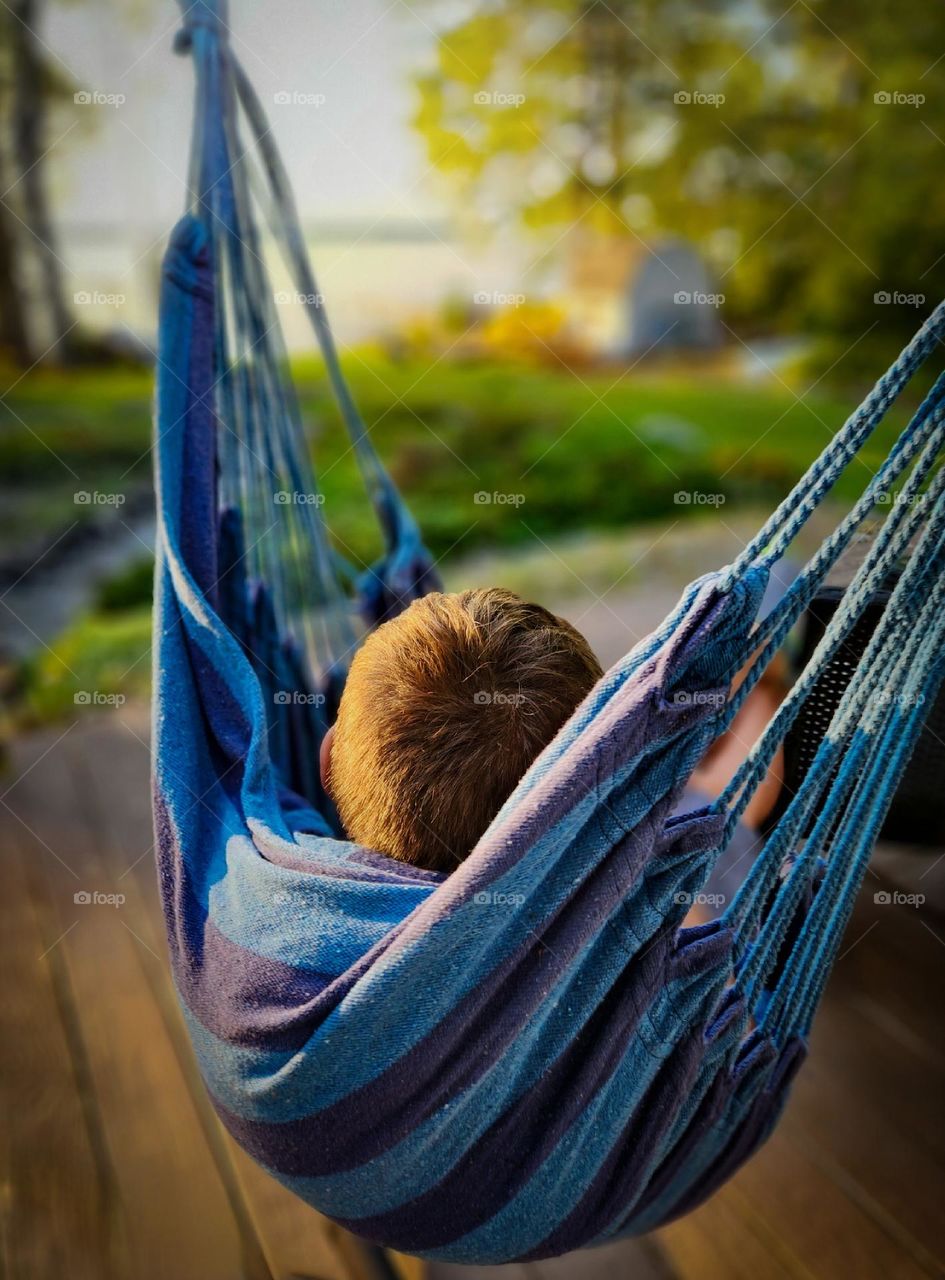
[[532, 1054]]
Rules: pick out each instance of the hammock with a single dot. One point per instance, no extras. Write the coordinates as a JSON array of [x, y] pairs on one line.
[[532, 1054]]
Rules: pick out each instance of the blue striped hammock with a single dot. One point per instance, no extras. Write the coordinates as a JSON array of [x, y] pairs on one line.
[[532, 1054]]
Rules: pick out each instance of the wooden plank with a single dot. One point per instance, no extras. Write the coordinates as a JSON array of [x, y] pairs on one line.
[[725, 1240], [407, 1268], [848, 1108], [512, 1271], [867, 1111], [892, 962], [297, 1242], [176, 1215], [853, 1043], [825, 1229], [60, 1190]]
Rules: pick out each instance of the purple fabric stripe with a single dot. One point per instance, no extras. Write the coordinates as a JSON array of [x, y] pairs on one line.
[[707, 1113], [217, 1002], [465, 1045], [755, 1128], [502, 1161], [395, 870], [620, 1178], [618, 1189], [705, 1117], [237, 995], [246, 999], [199, 435]]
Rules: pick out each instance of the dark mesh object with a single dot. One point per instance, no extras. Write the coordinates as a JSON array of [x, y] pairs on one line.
[[917, 814]]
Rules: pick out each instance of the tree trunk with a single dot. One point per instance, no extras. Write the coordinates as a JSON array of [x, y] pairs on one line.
[[29, 120], [14, 319]]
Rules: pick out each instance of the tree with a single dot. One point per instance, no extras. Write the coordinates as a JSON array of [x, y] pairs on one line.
[[34, 316], [14, 333], [30, 89], [799, 149]]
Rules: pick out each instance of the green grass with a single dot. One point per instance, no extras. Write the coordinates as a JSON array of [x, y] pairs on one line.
[[578, 453], [99, 660], [65, 432], [92, 420], [590, 455], [596, 450]]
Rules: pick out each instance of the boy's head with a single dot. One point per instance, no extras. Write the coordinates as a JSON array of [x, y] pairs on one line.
[[444, 709]]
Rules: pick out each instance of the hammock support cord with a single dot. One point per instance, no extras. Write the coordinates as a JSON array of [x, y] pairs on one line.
[[532, 1054]]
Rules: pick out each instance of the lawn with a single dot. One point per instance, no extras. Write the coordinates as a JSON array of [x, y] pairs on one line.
[[551, 451], [555, 454]]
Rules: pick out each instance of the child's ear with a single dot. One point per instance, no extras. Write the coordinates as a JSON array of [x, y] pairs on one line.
[[324, 759]]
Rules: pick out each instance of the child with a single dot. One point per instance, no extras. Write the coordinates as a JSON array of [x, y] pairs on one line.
[[445, 708]]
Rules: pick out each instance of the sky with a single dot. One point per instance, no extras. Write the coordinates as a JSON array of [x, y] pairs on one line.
[[345, 66], [334, 77]]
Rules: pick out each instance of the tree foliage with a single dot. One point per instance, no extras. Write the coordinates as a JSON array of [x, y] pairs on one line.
[[799, 147]]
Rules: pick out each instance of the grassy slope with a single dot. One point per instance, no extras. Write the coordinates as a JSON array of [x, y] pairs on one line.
[[595, 450], [584, 453]]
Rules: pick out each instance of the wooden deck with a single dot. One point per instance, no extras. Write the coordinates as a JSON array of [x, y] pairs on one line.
[[114, 1166]]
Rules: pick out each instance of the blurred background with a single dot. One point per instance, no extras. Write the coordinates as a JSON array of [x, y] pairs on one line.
[[605, 276]]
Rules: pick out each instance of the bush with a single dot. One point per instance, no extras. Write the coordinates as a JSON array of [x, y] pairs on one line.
[[129, 589], [98, 662]]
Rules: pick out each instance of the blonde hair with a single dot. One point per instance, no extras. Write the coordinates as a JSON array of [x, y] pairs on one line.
[[444, 709]]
